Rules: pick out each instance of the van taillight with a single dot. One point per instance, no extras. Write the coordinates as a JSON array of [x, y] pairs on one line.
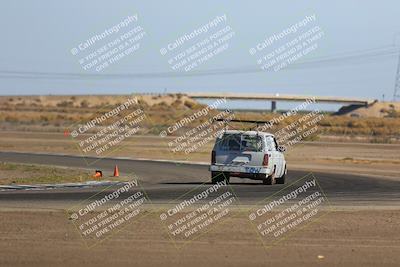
[[213, 157], [265, 160]]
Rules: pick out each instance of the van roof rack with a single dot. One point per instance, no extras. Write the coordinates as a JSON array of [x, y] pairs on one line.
[[243, 121]]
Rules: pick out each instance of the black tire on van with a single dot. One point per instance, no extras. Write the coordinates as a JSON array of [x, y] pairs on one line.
[[269, 180], [281, 180]]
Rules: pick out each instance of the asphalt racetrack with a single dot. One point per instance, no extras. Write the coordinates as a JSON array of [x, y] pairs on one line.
[[165, 182]]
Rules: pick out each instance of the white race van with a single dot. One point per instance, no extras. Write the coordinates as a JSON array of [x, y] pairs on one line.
[[248, 154]]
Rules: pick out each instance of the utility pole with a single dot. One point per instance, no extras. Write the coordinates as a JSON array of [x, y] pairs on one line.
[[397, 82]]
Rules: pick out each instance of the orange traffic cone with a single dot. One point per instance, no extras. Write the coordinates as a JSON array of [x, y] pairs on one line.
[[116, 172], [98, 174]]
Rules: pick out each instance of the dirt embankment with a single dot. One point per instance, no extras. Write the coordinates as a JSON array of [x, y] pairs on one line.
[[375, 110]]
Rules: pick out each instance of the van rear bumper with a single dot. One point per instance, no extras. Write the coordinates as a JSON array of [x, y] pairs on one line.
[[240, 169]]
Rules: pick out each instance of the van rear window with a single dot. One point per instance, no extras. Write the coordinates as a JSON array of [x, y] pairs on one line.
[[251, 143], [240, 142], [230, 142]]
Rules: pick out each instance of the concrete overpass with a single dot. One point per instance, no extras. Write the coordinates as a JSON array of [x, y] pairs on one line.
[[277, 97]]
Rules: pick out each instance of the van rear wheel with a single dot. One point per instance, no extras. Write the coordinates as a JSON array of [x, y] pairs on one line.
[[282, 179], [270, 179], [264, 178]]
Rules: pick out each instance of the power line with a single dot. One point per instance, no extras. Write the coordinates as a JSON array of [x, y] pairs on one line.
[[348, 58]]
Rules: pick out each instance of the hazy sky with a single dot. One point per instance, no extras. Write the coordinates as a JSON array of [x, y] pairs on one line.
[[37, 37]]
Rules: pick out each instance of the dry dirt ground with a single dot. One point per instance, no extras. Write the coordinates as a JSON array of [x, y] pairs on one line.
[[341, 238], [13, 173]]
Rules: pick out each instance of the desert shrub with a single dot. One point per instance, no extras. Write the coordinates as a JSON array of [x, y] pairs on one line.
[[393, 114], [142, 103], [11, 118], [65, 104], [177, 103], [44, 118], [84, 104], [189, 104]]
